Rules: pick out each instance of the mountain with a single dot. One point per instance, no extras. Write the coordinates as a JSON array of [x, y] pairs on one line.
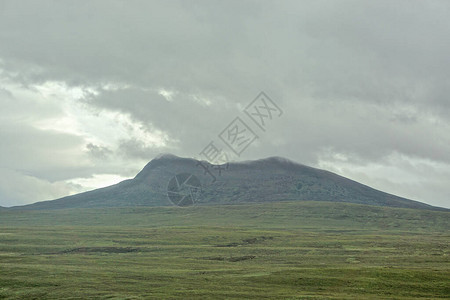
[[265, 180]]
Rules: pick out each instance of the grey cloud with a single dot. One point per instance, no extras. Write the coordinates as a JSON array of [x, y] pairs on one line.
[[134, 148], [97, 151], [17, 188], [364, 79], [184, 119], [36, 152]]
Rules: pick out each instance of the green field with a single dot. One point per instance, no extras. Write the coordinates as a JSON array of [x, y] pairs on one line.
[[290, 250]]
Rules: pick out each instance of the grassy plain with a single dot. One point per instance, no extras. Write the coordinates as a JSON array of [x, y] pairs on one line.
[[285, 250]]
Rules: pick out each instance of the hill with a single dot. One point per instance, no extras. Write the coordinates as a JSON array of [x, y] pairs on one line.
[[267, 180], [308, 215]]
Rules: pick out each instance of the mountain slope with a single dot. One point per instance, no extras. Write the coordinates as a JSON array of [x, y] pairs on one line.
[[266, 180]]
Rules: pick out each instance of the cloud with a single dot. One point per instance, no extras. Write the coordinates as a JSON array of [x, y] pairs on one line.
[[412, 177], [97, 151], [18, 189], [109, 84]]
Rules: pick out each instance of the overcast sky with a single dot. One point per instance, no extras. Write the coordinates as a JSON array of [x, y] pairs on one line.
[[90, 91]]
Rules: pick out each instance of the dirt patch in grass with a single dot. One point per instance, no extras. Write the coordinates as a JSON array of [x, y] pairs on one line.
[[248, 241], [232, 258], [100, 250]]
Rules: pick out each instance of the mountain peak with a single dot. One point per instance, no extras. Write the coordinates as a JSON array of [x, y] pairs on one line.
[[277, 160], [165, 155], [268, 160]]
